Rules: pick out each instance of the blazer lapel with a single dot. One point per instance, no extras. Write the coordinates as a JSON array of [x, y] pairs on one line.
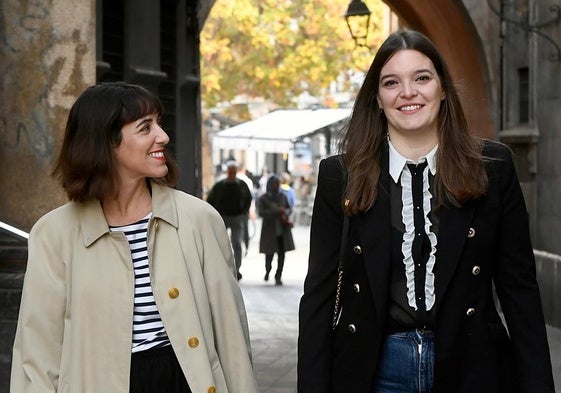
[[452, 235], [375, 238]]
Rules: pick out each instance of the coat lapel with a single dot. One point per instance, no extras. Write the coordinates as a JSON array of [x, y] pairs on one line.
[[452, 235]]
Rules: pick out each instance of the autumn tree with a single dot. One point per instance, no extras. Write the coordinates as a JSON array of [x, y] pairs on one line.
[[278, 49]]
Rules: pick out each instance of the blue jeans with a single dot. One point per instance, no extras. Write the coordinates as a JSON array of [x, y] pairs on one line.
[[406, 363]]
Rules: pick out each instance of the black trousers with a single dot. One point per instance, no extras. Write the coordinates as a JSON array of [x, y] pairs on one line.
[[157, 370], [280, 259]]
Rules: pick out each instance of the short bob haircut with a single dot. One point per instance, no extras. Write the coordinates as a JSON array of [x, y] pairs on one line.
[[85, 166], [460, 173]]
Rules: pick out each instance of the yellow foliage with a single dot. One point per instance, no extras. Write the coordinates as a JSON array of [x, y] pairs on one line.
[[276, 49]]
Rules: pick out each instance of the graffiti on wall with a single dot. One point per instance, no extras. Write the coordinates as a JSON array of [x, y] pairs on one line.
[[43, 48]]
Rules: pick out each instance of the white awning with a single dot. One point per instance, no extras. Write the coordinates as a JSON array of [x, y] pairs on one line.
[[277, 131]]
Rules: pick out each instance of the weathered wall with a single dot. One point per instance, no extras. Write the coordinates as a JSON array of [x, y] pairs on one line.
[[548, 116], [47, 52]]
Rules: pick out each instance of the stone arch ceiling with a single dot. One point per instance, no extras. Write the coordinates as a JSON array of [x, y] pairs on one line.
[[450, 27]]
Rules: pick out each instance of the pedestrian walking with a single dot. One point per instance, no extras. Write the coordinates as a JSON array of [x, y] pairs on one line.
[[414, 225], [276, 228], [232, 198], [130, 286]]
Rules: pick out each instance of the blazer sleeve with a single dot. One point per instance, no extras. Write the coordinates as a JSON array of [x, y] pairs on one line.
[[315, 339], [516, 284], [38, 342]]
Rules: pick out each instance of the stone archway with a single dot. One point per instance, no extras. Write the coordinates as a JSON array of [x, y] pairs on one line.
[[450, 27]]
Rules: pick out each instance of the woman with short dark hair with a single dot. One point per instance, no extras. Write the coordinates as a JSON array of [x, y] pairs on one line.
[[86, 166], [130, 286]]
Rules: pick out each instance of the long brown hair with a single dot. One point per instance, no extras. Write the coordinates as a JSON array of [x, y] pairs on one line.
[[460, 173], [85, 166]]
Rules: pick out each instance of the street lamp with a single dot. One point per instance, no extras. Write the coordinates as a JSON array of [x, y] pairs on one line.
[[358, 20]]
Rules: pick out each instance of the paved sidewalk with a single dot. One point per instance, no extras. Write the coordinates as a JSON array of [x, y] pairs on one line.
[[273, 312], [273, 316]]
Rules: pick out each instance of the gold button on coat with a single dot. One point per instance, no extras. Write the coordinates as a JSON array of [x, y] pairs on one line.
[[356, 288], [173, 293], [476, 270], [352, 328], [357, 250], [470, 311], [211, 389], [193, 342], [471, 232]]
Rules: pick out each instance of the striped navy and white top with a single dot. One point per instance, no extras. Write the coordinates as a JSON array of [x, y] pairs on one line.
[[148, 330]]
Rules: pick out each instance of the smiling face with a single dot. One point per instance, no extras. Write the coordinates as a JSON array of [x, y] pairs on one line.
[[410, 93], [141, 151]]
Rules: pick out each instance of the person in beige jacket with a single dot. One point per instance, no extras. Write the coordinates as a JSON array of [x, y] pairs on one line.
[[130, 286]]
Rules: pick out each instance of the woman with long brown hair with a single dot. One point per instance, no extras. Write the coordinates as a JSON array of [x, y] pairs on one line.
[[426, 219]]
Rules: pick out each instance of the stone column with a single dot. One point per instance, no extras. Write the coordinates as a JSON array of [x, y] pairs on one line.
[[47, 58]]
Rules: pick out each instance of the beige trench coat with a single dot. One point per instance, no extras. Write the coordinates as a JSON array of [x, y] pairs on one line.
[[74, 331]]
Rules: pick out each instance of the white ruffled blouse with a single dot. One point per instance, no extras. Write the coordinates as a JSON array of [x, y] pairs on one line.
[[399, 172]]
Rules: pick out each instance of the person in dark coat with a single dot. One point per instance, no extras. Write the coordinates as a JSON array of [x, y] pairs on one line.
[[276, 229], [232, 198], [437, 226]]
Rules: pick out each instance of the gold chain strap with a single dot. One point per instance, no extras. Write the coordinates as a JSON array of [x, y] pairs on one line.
[[344, 233], [337, 296]]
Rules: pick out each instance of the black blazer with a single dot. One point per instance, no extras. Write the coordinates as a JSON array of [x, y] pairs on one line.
[[480, 244]]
